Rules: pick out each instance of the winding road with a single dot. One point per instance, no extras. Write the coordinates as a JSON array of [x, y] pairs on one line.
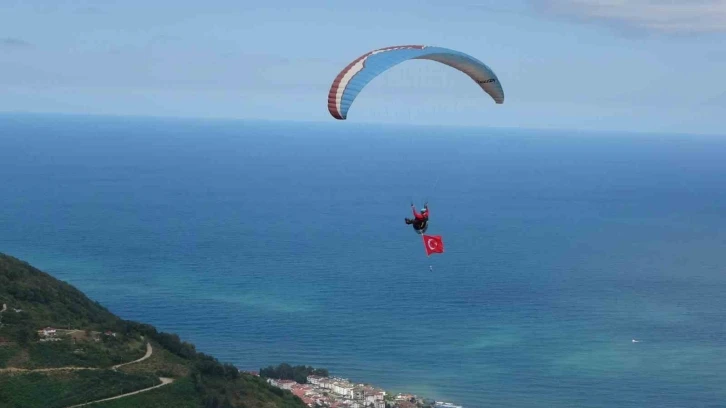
[[149, 352], [164, 381]]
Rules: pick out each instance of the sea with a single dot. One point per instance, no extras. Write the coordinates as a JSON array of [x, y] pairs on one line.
[[580, 269]]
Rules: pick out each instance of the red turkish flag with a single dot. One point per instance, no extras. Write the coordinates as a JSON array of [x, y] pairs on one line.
[[433, 244]]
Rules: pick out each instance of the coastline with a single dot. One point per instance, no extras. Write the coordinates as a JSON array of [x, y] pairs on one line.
[[337, 392]]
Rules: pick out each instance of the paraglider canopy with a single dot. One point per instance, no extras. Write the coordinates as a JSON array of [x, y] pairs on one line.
[[354, 77]]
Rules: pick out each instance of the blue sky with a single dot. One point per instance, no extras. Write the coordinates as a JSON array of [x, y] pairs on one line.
[[581, 64]]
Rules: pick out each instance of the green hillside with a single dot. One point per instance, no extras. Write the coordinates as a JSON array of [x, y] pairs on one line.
[[86, 353]]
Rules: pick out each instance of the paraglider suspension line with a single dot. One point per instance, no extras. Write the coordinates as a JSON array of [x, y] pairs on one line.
[[431, 192]]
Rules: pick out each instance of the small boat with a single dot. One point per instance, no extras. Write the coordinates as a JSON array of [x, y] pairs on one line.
[[441, 404]]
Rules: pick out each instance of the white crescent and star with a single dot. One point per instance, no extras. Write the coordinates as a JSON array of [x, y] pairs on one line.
[[430, 241]]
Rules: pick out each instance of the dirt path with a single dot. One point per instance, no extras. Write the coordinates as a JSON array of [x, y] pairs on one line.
[[42, 370], [164, 381], [149, 351]]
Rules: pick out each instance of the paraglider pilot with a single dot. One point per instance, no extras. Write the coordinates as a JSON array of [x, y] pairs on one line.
[[420, 219]]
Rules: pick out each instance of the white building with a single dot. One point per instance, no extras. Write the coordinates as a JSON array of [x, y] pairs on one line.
[[375, 397], [325, 383], [48, 331], [314, 379], [284, 384], [344, 389]]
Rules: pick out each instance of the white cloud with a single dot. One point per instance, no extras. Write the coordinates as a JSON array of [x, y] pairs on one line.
[[671, 16]]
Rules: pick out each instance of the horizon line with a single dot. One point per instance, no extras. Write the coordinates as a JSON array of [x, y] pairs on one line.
[[366, 123]]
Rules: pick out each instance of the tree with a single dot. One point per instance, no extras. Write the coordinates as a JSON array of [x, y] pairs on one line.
[[24, 336]]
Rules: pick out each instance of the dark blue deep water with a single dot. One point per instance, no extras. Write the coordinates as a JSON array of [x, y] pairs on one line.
[[280, 242]]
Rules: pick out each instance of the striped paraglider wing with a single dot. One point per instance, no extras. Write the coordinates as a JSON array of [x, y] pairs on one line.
[[354, 77]]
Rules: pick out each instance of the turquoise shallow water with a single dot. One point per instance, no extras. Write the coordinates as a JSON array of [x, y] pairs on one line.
[[271, 242]]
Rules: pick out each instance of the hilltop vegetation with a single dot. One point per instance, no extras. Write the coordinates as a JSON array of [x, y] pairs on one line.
[[89, 336], [64, 388]]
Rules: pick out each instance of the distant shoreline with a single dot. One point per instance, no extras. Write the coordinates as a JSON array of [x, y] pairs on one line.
[[337, 392]]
